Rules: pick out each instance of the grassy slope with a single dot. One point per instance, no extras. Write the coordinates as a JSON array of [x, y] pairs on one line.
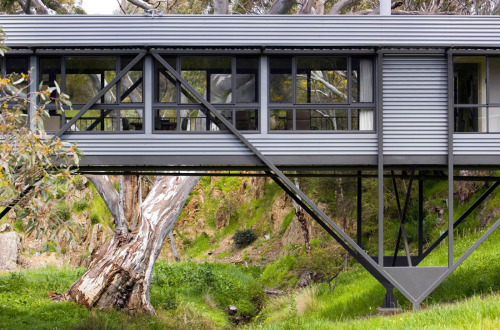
[[358, 294]]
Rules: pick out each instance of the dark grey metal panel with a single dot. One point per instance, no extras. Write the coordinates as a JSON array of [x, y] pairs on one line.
[[247, 30], [190, 160], [415, 105]]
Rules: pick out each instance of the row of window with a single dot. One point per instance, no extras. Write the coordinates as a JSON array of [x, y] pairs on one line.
[[306, 93]]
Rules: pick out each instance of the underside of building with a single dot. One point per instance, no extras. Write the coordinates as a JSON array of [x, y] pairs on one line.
[[415, 98]]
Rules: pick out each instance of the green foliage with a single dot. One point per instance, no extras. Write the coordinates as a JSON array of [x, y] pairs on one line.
[[19, 226], [98, 210], [62, 212], [278, 273], [79, 206], [288, 220], [243, 238], [226, 284]]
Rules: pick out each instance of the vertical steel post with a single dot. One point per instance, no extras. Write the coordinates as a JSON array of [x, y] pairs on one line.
[[380, 165], [263, 116], [451, 128], [359, 210], [32, 89], [148, 79], [420, 215]]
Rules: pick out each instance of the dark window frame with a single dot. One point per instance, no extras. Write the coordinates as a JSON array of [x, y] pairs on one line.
[[118, 105], [349, 106], [234, 106]]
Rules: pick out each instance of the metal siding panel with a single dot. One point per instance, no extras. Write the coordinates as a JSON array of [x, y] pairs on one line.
[[476, 144], [247, 30], [415, 115], [224, 144]]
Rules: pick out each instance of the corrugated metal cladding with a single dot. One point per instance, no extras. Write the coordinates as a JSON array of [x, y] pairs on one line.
[[415, 105], [246, 30], [225, 144], [476, 144]]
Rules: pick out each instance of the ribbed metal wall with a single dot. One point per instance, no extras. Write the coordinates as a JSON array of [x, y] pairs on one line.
[[476, 144], [246, 30], [226, 145], [415, 105]]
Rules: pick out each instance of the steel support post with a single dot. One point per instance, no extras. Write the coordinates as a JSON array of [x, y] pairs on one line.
[[420, 216], [451, 129], [359, 214], [380, 163]]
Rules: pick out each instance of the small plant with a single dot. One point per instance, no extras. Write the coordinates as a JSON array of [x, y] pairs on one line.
[[62, 212], [19, 226], [94, 218], [244, 238], [79, 206]]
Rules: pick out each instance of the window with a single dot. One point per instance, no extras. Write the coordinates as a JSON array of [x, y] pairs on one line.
[[321, 93], [476, 93], [82, 77], [228, 82], [15, 65]]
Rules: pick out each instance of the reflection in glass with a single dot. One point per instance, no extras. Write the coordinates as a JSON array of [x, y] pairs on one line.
[[470, 119], [362, 120], [494, 80], [321, 80], [130, 120], [322, 119], [281, 120], [165, 119], [247, 69], [246, 120], [280, 84], [165, 83], [15, 66], [205, 72], [131, 83], [469, 79], [86, 76]]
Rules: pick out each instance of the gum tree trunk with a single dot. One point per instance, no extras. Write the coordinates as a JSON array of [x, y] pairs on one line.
[[120, 272]]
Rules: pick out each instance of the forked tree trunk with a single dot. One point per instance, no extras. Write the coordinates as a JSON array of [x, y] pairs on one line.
[[120, 272]]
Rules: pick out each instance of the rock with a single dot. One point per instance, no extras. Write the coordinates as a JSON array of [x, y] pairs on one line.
[[231, 310], [10, 245], [305, 279], [5, 227]]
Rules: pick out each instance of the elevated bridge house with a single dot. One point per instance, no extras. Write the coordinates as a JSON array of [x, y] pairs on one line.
[[374, 94]]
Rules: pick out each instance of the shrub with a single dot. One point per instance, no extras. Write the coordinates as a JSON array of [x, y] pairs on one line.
[[79, 206], [244, 238], [62, 212]]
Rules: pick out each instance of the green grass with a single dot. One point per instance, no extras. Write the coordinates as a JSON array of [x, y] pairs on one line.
[[185, 296], [357, 294]]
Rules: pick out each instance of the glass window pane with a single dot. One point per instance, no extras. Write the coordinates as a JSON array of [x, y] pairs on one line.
[[321, 80], [193, 120], [494, 120], [494, 83], [165, 120], [362, 120], [165, 83], [470, 119], [280, 79], [246, 120], [50, 71], [209, 76], [469, 79], [131, 120], [281, 120], [53, 123], [100, 120], [15, 66], [325, 120], [86, 76], [247, 69], [131, 83], [362, 79]]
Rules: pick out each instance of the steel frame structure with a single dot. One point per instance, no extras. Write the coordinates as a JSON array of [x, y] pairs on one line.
[[415, 283]]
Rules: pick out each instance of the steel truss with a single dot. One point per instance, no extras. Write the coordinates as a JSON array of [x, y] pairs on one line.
[[415, 283]]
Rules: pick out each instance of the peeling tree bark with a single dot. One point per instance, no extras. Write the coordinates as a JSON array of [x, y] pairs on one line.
[[120, 272], [301, 218]]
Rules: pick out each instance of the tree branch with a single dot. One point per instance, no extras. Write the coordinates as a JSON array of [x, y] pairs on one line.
[[107, 191], [337, 8], [221, 7], [40, 7], [141, 4], [280, 7]]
